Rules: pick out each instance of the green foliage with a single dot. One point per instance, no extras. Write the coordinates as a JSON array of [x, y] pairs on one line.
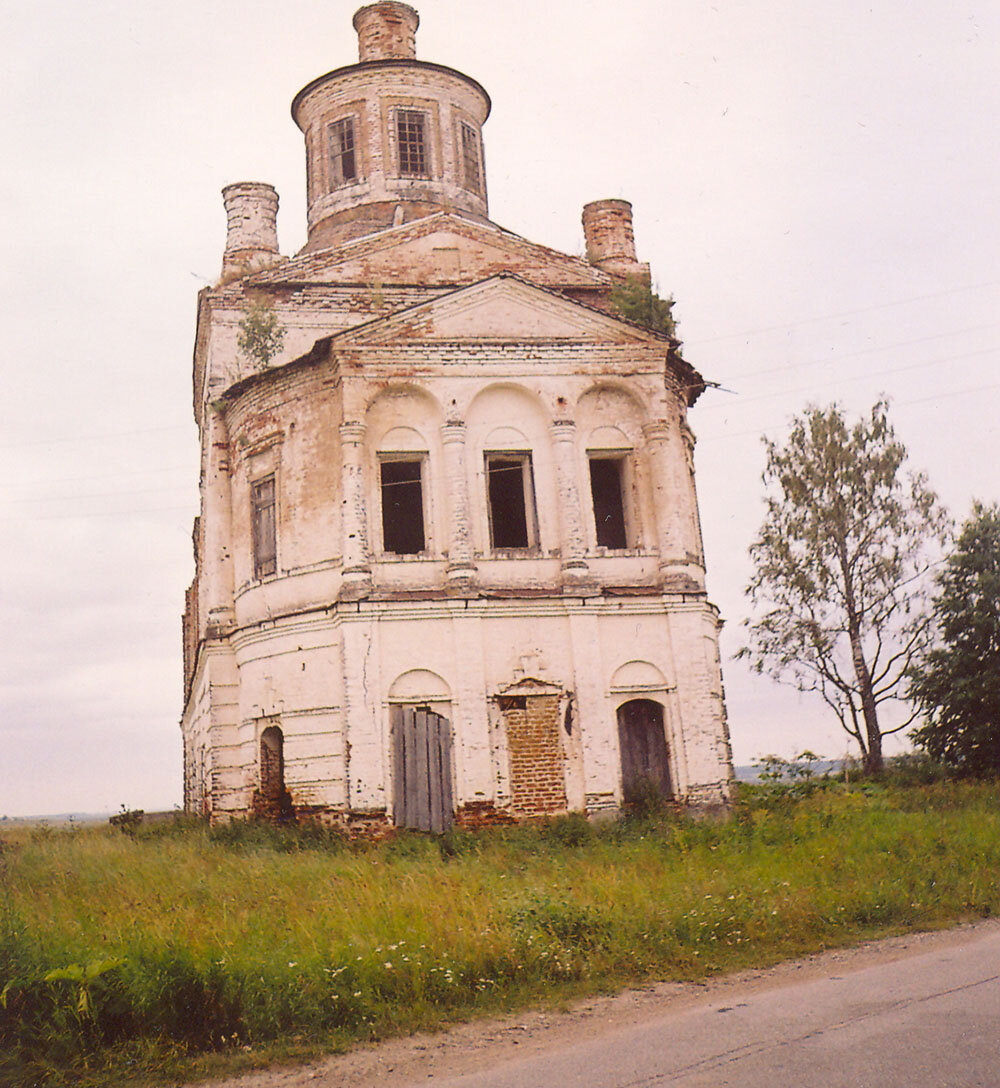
[[261, 336], [83, 976], [957, 683], [191, 944], [636, 301], [841, 563], [127, 821]]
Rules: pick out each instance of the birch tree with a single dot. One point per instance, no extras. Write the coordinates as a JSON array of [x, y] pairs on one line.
[[838, 596]]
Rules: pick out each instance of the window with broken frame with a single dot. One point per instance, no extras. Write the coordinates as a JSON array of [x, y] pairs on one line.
[[341, 136], [263, 527], [510, 494]]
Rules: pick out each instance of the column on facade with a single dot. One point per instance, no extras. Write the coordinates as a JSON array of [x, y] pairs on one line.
[[461, 568], [573, 547], [676, 518], [217, 526], [692, 491], [356, 571]]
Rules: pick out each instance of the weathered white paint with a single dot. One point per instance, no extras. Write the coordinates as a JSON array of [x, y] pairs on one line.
[[391, 349]]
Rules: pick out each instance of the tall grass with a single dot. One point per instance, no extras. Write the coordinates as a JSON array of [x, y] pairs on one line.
[[250, 941]]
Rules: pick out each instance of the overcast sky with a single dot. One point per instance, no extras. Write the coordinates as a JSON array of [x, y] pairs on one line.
[[817, 185]]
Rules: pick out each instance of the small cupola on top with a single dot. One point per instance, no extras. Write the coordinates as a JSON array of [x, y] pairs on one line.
[[391, 138]]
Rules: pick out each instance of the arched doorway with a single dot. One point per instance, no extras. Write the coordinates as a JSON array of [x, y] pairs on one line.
[[643, 745], [272, 764], [272, 800]]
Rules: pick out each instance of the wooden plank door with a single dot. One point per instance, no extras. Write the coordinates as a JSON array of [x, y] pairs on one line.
[[422, 789], [643, 745]]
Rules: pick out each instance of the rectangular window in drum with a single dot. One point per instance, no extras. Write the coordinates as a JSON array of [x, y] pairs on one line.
[[470, 158], [343, 158], [265, 550], [411, 143]]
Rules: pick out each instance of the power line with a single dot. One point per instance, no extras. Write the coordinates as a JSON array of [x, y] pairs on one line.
[[844, 313], [88, 437], [729, 405], [862, 351], [111, 513], [760, 431], [116, 475], [96, 495]]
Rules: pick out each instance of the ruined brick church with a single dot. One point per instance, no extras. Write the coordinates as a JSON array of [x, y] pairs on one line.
[[448, 565]]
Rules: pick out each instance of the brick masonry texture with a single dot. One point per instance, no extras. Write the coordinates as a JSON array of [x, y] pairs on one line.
[[536, 761]]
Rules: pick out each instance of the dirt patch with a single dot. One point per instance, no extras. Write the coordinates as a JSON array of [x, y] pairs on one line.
[[482, 1044]]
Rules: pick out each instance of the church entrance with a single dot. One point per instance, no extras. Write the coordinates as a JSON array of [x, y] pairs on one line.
[[272, 765], [272, 800], [643, 745], [421, 769]]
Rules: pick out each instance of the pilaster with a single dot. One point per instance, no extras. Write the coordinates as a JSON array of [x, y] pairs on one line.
[[357, 571], [461, 569]]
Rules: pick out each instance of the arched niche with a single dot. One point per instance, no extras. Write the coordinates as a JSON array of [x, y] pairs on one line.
[[506, 438], [402, 406], [419, 686], [402, 440], [501, 452], [620, 513], [638, 677], [606, 405], [404, 466], [607, 438]]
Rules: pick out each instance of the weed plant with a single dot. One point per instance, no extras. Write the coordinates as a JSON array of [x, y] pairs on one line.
[[178, 948]]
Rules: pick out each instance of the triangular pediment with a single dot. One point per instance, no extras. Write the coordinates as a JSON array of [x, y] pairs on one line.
[[502, 308], [444, 249]]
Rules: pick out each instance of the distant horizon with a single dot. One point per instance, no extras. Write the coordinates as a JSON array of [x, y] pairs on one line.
[[744, 772]]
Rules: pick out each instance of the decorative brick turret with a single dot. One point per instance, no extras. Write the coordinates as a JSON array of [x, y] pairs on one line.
[[252, 227], [607, 230], [386, 31]]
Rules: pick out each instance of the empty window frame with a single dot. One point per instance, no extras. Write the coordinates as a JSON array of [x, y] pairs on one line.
[[411, 143], [265, 549], [511, 501], [343, 152], [607, 488], [471, 173], [402, 487]]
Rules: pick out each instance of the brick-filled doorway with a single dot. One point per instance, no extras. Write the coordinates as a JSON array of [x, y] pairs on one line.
[[537, 782]]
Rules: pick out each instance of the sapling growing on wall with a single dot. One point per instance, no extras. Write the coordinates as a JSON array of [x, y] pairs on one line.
[[261, 334], [636, 301]]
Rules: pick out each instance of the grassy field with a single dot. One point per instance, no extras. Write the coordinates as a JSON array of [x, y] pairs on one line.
[[184, 950]]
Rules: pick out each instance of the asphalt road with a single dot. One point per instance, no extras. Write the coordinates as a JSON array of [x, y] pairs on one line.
[[928, 1021]]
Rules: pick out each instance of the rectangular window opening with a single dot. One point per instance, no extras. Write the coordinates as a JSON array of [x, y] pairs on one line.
[[511, 500], [410, 140], [609, 505], [343, 160], [265, 551], [402, 507], [471, 177]]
